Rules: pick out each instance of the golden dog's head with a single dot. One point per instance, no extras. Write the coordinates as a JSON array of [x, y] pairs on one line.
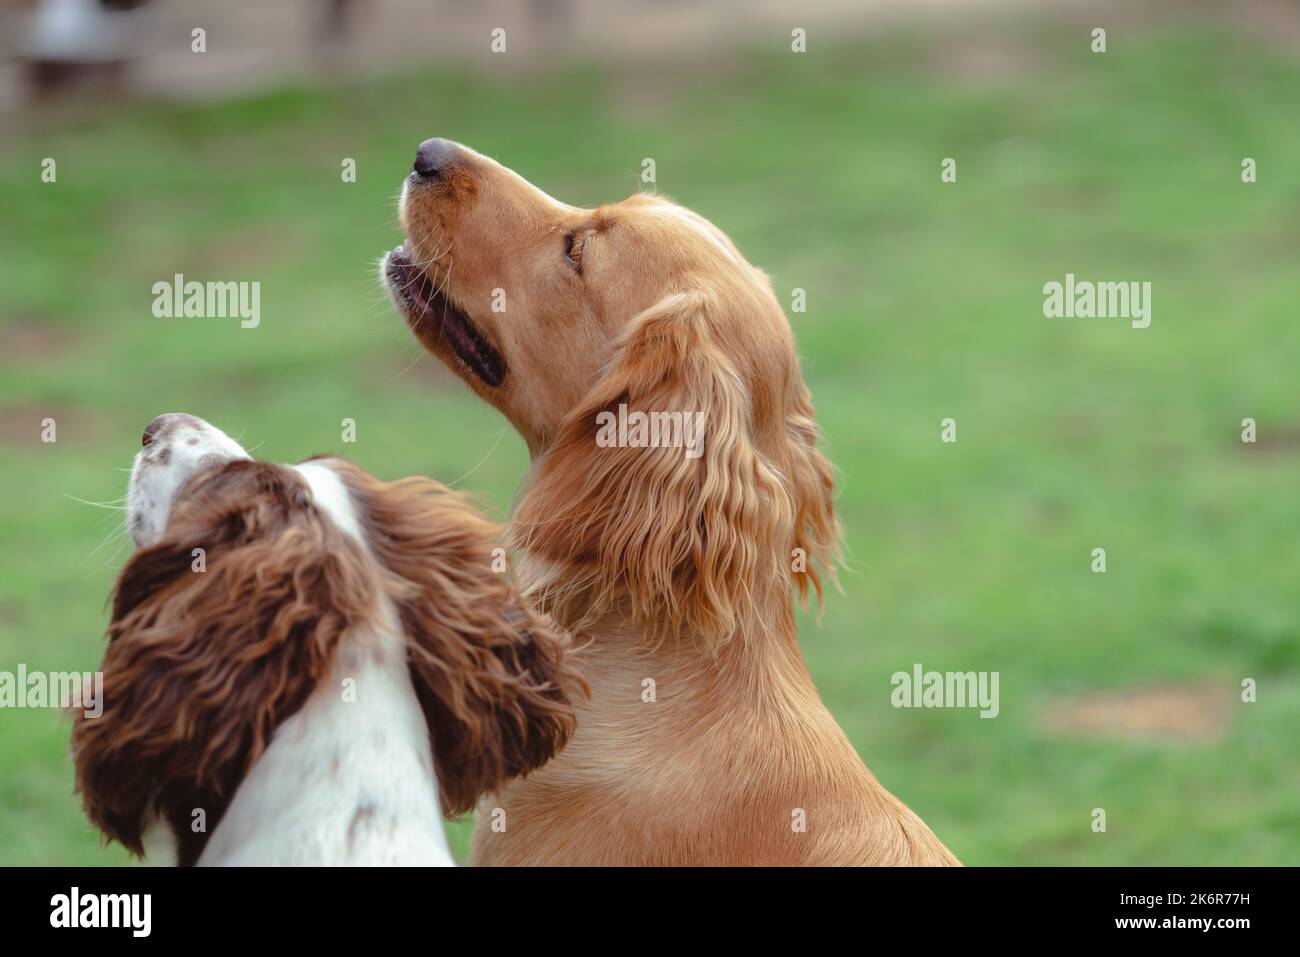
[[571, 321]]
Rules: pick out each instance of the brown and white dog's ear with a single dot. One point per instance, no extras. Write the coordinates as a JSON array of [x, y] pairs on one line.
[[696, 539], [207, 657], [489, 672]]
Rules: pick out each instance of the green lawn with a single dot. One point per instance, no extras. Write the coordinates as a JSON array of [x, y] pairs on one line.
[[924, 302]]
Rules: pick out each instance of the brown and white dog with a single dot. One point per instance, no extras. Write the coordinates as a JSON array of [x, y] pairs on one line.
[[677, 566], [307, 665]]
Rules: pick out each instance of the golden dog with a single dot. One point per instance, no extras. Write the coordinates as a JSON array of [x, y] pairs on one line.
[[704, 740]]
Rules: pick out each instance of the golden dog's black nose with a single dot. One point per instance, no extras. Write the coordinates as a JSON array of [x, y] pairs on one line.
[[434, 157]]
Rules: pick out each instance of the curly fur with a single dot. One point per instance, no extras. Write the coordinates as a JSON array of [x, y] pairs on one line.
[[687, 546], [490, 672], [201, 668]]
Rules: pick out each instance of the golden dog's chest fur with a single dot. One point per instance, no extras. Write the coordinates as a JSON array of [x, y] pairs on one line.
[[746, 767]]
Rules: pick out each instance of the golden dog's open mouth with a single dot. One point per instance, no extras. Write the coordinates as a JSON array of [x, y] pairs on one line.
[[439, 323]]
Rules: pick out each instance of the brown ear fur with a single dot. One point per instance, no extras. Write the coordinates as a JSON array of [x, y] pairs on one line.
[[693, 546], [488, 670], [203, 666]]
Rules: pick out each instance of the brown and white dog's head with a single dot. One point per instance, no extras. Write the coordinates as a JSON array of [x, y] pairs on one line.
[[248, 576], [559, 315]]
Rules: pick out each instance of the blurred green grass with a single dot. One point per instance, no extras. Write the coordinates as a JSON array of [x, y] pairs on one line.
[[924, 301]]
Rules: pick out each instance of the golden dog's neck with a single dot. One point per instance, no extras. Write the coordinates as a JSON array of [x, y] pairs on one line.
[[674, 688]]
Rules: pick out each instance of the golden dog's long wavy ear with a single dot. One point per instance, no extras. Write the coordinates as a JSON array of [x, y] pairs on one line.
[[817, 533], [698, 536]]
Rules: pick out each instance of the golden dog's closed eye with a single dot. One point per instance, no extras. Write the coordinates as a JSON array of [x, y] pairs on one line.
[[574, 244]]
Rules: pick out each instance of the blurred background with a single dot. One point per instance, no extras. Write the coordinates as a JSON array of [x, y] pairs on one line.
[[1119, 691]]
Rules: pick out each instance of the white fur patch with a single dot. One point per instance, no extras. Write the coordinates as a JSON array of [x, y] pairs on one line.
[[331, 496], [182, 445]]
